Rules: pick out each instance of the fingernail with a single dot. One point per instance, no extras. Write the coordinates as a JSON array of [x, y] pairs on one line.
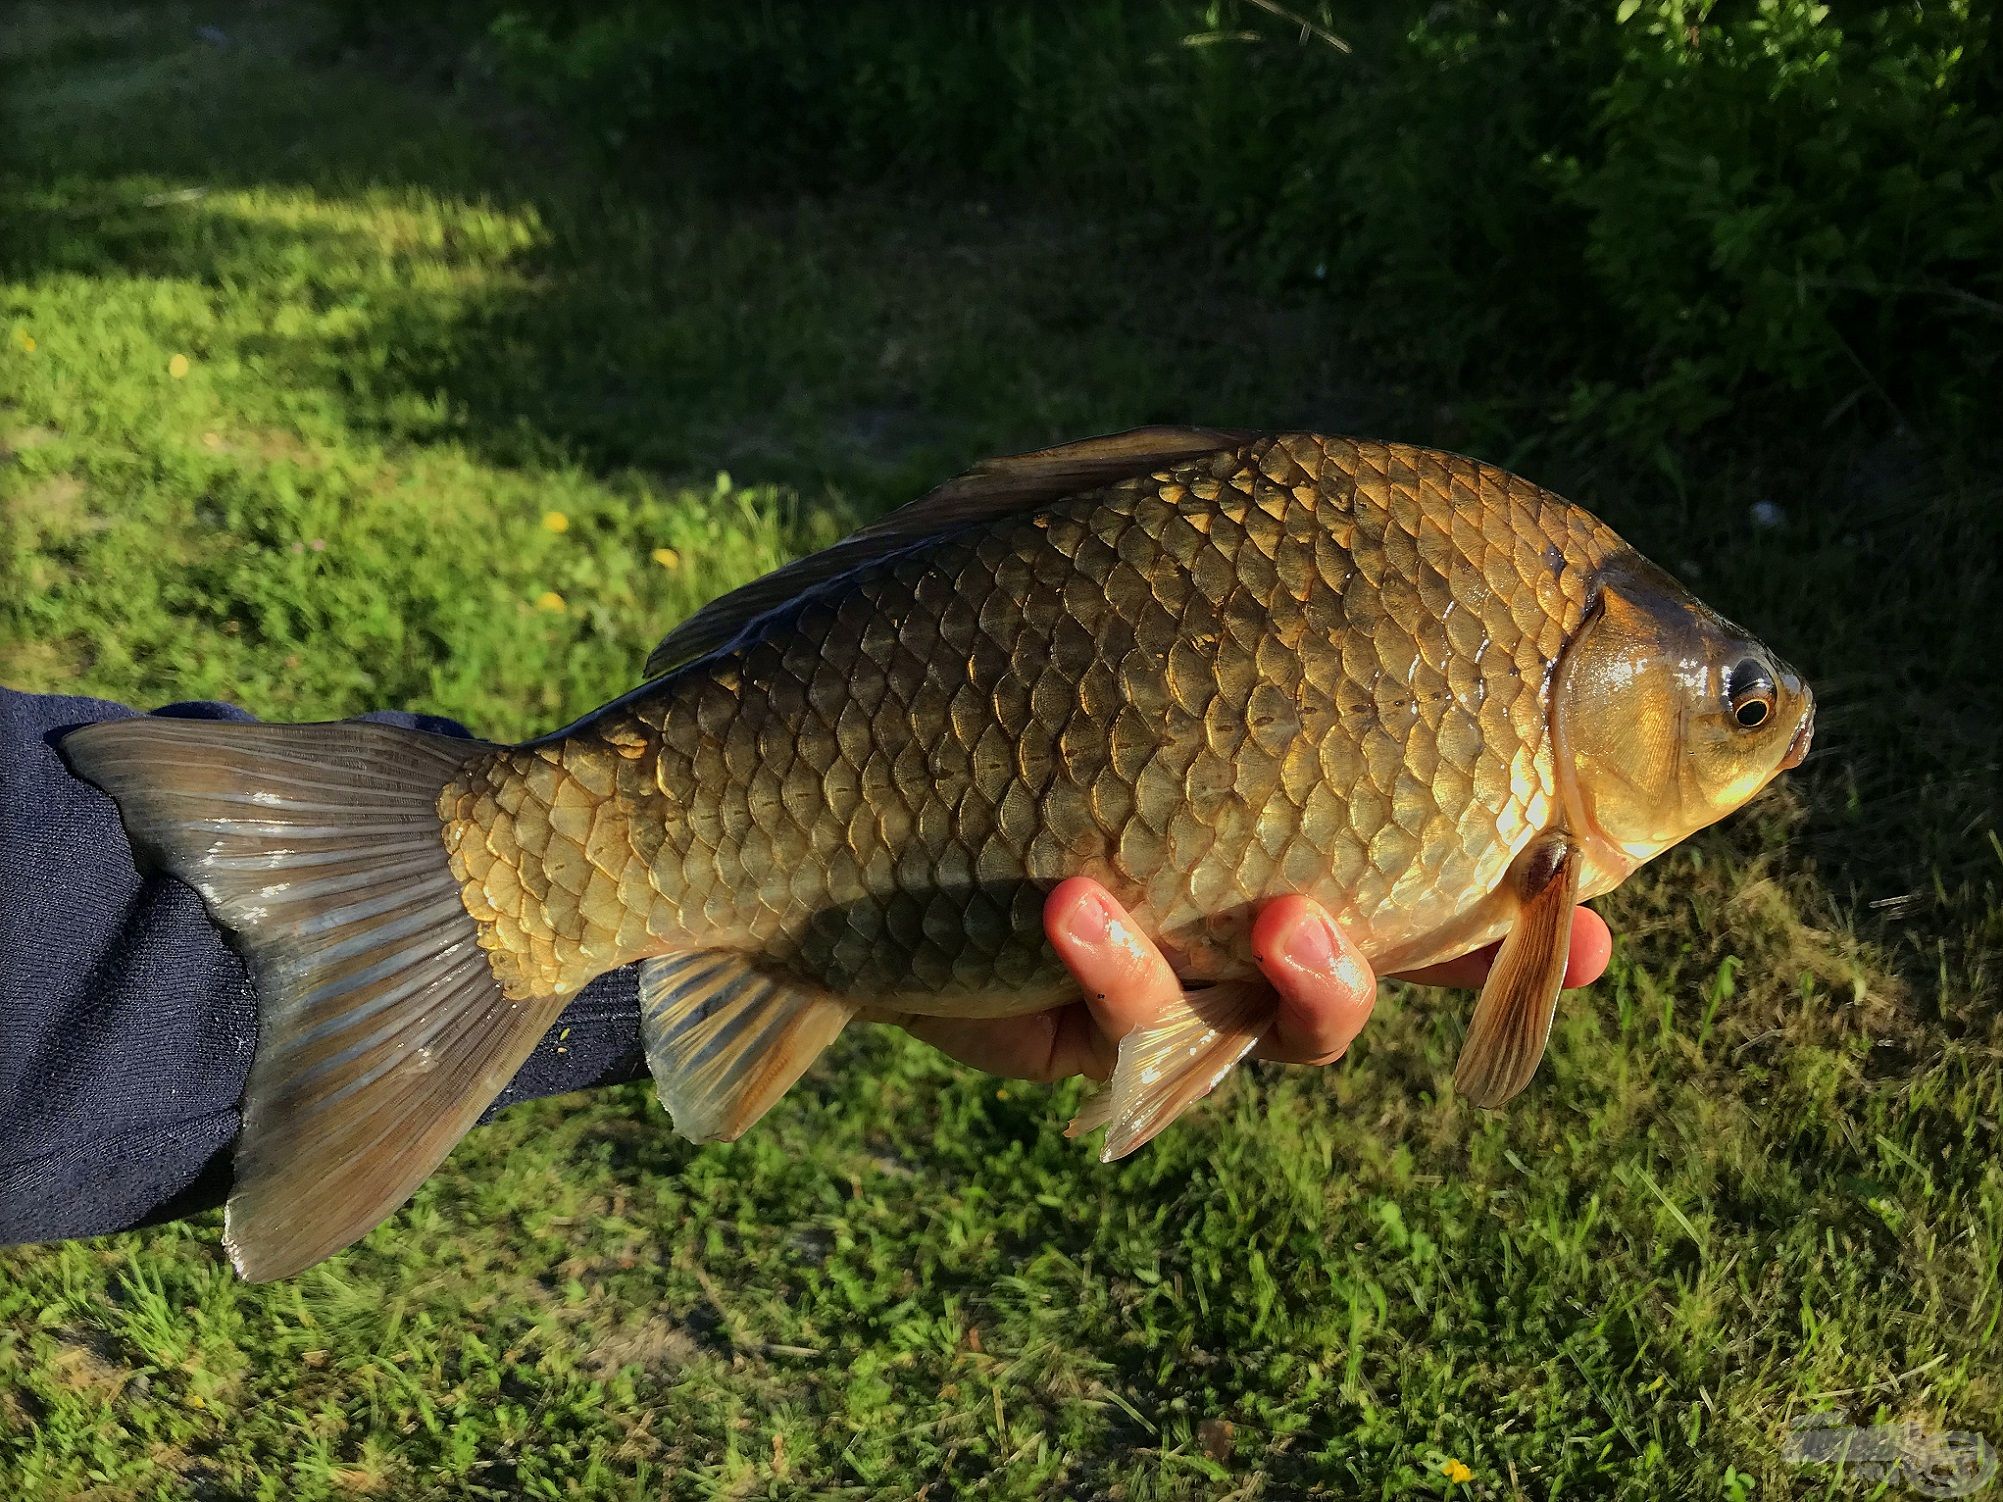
[[1311, 945], [1090, 920]]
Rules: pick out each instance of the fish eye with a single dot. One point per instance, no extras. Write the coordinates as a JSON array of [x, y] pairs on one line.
[[1749, 692]]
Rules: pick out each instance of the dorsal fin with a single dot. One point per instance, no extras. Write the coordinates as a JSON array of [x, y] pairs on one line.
[[992, 488]]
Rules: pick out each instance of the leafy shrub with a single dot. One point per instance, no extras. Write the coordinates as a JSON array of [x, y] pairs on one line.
[[1661, 216], [1784, 201]]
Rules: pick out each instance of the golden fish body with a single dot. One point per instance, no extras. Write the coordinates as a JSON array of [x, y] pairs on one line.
[[1206, 669], [1302, 665]]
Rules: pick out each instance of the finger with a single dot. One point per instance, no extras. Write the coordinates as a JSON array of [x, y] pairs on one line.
[[1592, 947], [1124, 977], [1043, 1046], [1466, 973], [1326, 986]]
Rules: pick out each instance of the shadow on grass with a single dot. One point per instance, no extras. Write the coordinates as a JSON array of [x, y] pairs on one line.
[[863, 344], [860, 338]]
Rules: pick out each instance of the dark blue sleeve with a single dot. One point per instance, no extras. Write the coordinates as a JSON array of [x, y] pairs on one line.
[[126, 1021]]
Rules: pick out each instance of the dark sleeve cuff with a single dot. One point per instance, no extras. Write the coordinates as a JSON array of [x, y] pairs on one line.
[[127, 1023]]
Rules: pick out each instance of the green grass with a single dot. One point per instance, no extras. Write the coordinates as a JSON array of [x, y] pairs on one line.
[[1757, 1178]]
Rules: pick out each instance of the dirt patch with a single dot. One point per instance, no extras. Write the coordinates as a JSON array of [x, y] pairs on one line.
[[21, 440], [90, 1361], [54, 508], [655, 1345]]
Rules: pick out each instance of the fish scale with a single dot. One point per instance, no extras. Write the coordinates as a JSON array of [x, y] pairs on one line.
[[1314, 665]]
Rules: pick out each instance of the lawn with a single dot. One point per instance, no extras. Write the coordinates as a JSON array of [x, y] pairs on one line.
[[333, 381]]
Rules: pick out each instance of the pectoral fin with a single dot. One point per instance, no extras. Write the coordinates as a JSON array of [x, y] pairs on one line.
[[725, 1040], [1169, 1065], [1512, 1020]]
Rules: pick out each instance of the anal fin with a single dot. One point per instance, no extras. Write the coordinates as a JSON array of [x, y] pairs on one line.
[[1094, 1111], [1512, 1019], [1173, 1062], [725, 1040]]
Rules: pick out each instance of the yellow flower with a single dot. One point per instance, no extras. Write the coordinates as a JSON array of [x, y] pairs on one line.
[[26, 340], [555, 521], [1456, 1472], [178, 366], [667, 558], [551, 601]]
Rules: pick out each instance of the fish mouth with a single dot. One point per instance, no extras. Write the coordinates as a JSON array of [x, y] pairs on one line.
[[1797, 751]]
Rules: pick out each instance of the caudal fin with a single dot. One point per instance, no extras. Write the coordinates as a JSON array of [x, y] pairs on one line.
[[382, 1033]]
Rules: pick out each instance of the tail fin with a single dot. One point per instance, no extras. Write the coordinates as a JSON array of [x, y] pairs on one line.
[[382, 1033]]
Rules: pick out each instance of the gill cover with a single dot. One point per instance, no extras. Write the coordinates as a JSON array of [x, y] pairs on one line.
[[1666, 717]]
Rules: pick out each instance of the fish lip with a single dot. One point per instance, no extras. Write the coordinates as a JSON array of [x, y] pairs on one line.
[[1797, 750]]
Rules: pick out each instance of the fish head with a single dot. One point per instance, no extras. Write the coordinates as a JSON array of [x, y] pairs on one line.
[[1666, 716]]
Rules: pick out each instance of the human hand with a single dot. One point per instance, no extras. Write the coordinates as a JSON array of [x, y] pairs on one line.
[[1325, 988]]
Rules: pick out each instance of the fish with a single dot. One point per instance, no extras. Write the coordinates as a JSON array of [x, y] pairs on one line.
[[1203, 667]]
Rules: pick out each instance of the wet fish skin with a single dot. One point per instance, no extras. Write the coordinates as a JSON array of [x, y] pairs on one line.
[[1308, 665], [1203, 668]]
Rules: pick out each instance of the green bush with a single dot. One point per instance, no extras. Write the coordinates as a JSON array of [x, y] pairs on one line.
[[1660, 216], [1795, 203]]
